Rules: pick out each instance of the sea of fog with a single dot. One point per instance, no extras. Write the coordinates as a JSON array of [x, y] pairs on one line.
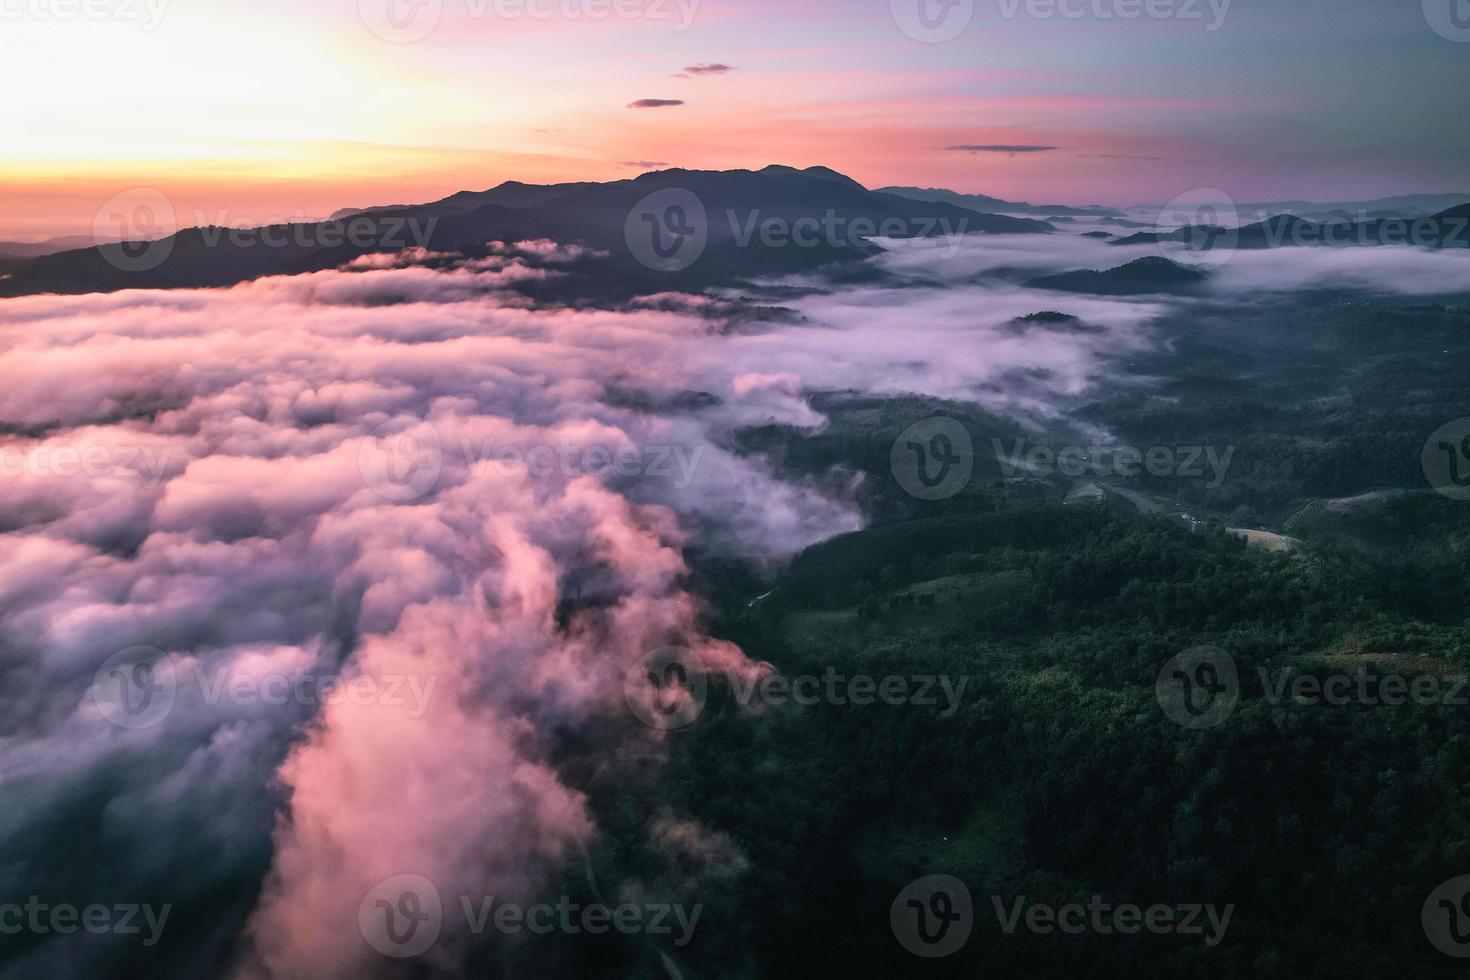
[[405, 476]]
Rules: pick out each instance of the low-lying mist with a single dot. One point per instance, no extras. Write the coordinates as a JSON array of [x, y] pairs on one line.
[[407, 475]]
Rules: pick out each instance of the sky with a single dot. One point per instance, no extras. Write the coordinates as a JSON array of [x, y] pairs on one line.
[[246, 111]]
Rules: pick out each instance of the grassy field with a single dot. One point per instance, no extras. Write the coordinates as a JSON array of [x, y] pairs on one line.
[[1267, 540]]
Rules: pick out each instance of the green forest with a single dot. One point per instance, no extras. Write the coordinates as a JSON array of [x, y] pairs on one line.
[[1060, 777]]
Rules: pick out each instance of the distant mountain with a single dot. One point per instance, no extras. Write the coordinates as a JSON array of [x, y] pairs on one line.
[[1050, 321], [982, 202], [1447, 229], [15, 256], [839, 216], [31, 250], [1147, 275], [1406, 205]]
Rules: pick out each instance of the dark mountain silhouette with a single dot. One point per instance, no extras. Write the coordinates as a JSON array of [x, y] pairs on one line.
[[1051, 317], [839, 215], [17, 255], [1447, 229], [1199, 236], [31, 250], [1050, 321], [982, 202], [1404, 205], [1148, 275]]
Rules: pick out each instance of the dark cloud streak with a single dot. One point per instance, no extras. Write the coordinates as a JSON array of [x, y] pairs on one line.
[[1001, 148], [712, 69]]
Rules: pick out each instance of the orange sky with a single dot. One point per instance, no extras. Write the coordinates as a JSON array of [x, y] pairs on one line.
[[242, 112]]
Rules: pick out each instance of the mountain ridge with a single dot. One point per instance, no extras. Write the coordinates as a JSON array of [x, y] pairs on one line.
[[739, 206], [1151, 274], [1447, 229], [987, 203]]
